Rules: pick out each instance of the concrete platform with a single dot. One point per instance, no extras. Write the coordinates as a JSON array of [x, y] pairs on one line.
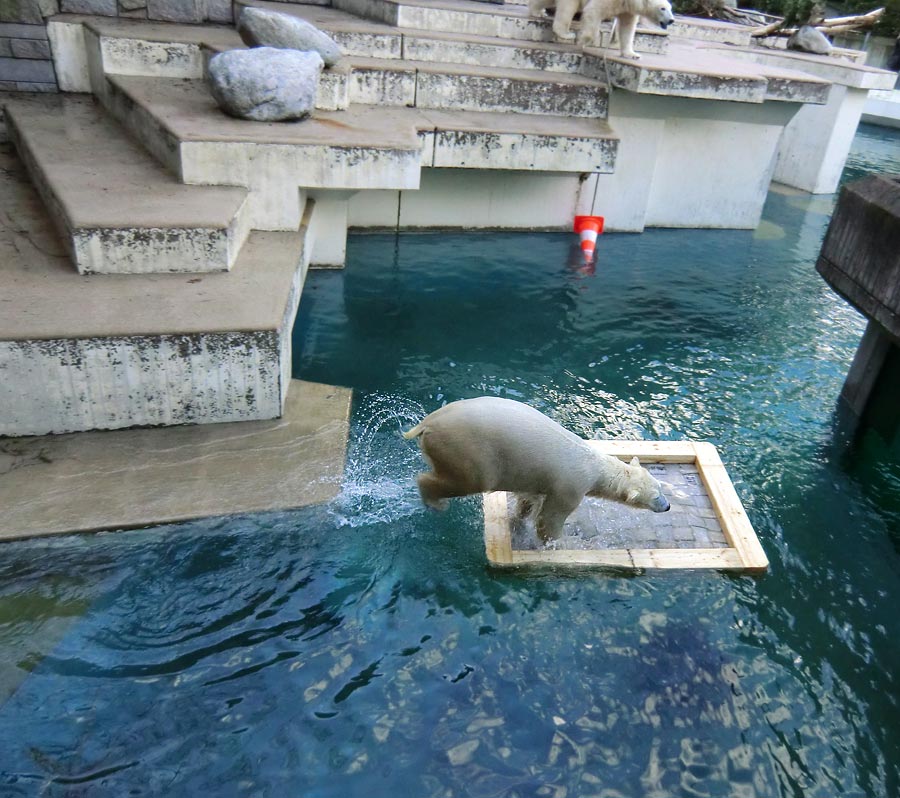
[[110, 351], [363, 147], [118, 210], [134, 478], [694, 70]]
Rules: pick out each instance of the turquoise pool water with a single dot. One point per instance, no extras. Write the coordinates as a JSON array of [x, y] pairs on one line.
[[364, 649]]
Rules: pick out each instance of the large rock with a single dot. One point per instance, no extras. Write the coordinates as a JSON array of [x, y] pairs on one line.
[[260, 28], [265, 84], [810, 40]]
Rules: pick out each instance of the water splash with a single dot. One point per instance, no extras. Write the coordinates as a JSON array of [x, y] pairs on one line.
[[379, 482]]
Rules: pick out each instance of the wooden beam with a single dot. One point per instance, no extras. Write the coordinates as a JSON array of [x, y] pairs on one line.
[[497, 545], [648, 451], [728, 508]]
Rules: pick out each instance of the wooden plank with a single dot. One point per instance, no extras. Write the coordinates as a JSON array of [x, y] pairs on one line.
[[692, 559], [497, 545], [728, 508], [610, 558], [661, 559], [648, 451]]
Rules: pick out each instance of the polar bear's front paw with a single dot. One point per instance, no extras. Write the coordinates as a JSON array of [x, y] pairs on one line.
[[565, 36], [632, 55]]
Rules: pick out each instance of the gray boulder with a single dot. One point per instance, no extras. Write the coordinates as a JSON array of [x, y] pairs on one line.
[[810, 40], [260, 28], [265, 84]]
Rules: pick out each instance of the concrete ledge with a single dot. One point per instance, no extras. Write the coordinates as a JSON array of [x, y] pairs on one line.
[[704, 72], [50, 485], [710, 30], [120, 211], [833, 70]]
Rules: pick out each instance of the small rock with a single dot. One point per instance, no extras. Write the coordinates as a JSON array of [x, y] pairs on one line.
[[260, 28], [810, 40], [265, 84]]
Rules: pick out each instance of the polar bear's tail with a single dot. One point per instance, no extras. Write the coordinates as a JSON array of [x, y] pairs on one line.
[[415, 432]]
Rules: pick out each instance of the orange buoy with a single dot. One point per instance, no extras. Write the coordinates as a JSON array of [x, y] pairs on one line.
[[588, 227]]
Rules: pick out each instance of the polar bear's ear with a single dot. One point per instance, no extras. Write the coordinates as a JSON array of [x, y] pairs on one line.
[[632, 494], [634, 461]]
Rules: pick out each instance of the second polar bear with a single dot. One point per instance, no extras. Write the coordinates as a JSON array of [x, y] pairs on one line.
[[593, 12], [486, 444]]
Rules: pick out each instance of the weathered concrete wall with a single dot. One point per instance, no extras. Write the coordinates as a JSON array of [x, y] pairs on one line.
[[80, 384], [473, 199], [860, 259], [860, 256]]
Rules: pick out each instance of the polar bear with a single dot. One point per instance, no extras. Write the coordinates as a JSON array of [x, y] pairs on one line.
[[593, 12], [489, 443]]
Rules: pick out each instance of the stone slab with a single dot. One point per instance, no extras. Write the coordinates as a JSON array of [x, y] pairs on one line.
[[598, 524], [135, 478], [828, 68], [695, 70], [121, 211]]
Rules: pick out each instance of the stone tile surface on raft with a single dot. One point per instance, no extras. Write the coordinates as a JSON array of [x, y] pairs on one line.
[[141, 477], [602, 524]]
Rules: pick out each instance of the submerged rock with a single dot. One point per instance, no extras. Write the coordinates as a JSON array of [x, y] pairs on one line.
[[810, 40], [265, 84], [260, 28]]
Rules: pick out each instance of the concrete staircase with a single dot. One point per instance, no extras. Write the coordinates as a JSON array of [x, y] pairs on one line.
[[185, 235]]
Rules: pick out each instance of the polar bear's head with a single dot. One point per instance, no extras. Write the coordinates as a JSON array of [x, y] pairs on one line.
[[631, 484], [660, 12]]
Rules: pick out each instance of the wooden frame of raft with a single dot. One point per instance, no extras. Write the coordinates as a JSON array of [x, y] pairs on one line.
[[742, 553]]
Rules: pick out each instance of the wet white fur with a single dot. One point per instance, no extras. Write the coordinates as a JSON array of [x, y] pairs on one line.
[[488, 443]]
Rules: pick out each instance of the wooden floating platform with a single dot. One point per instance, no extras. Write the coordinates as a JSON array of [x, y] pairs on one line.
[[707, 527]]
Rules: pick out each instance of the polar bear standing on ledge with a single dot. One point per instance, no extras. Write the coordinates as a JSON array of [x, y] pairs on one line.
[[593, 12]]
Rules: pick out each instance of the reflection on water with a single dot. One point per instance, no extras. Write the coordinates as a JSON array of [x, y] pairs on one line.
[[363, 648]]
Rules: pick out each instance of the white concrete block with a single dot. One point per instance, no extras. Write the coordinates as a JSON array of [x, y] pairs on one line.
[[328, 229], [79, 384], [815, 145], [123, 56], [69, 55]]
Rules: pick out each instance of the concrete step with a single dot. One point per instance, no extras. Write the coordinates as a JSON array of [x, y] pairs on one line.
[[180, 124], [116, 208], [116, 48], [113, 351], [468, 87], [364, 147]]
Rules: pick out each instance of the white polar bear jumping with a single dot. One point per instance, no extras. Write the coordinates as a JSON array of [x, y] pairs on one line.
[[486, 444], [593, 12]]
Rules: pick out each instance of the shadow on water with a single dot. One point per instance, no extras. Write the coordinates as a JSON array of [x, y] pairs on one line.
[[363, 647]]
